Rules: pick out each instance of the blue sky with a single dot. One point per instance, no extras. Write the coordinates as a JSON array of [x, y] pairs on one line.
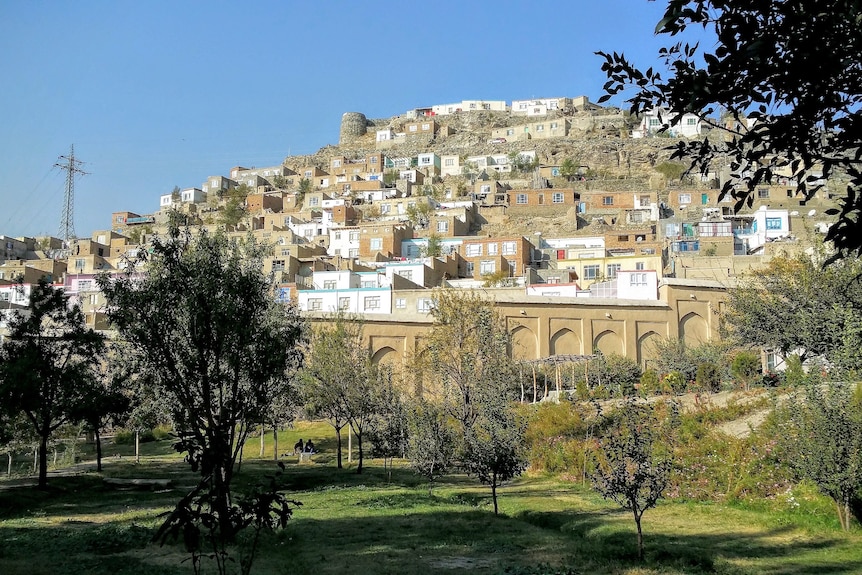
[[156, 94]]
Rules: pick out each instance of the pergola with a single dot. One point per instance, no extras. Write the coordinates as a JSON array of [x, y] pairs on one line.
[[558, 362]]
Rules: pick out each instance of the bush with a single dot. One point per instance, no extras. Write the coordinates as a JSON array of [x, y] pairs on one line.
[[709, 377], [794, 375], [616, 372], [127, 437], [650, 383], [745, 367], [674, 382]]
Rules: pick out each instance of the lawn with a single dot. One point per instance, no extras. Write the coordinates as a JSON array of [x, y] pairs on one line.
[[366, 523]]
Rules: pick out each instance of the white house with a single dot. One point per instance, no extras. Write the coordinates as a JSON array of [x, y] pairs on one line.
[[688, 126], [344, 242], [347, 292], [538, 106], [192, 196], [764, 225]]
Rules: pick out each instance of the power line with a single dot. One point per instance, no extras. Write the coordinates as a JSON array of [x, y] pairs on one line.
[[67, 218]]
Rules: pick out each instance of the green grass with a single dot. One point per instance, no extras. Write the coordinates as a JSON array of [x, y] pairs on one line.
[[364, 524]]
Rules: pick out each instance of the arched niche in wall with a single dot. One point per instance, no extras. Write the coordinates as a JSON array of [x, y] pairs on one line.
[[693, 329], [565, 342], [524, 343], [609, 342]]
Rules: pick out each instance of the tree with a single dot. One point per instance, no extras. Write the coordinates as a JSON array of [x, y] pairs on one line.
[[340, 381], [388, 429], [46, 363], [495, 444], [431, 446], [434, 247], [823, 442], [569, 169], [796, 305], [786, 74], [745, 367], [203, 322], [467, 351], [633, 472]]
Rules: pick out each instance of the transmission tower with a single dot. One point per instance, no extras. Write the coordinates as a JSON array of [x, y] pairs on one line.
[[67, 218]]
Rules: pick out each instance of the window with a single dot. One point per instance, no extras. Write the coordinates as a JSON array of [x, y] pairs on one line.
[[510, 132], [773, 223], [4, 296], [540, 128], [493, 249], [376, 243], [85, 285], [521, 199], [449, 162], [313, 201], [337, 236], [385, 208], [637, 217], [684, 199], [487, 267], [510, 248], [639, 265], [426, 127], [612, 270], [557, 198], [763, 193], [442, 226], [412, 128], [368, 284], [468, 269], [80, 263], [591, 272], [373, 159], [638, 279], [554, 280], [330, 284], [308, 173], [553, 125], [353, 253], [315, 303], [372, 302], [425, 160], [336, 163], [277, 265], [643, 201], [473, 250], [400, 303], [607, 200], [406, 274], [654, 122], [690, 121], [424, 304], [344, 303]]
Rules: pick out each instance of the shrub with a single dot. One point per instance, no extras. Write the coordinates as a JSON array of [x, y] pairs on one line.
[[709, 377], [616, 372], [650, 383], [794, 375], [127, 436], [745, 367], [674, 382]]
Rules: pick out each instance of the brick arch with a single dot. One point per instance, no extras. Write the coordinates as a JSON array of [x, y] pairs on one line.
[[565, 342], [609, 342], [524, 343], [693, 329]]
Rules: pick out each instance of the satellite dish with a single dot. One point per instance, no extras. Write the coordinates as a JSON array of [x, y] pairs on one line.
[[811, 213]]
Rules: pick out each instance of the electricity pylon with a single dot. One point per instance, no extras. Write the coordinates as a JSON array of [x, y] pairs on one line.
[[67, 218]]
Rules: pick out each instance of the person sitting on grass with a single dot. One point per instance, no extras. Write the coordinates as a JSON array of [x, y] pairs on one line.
[[309, 447], [298, 448]]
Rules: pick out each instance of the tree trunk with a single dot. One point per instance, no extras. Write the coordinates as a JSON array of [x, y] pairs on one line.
[[137, 446], [494, 492], [43, 461], [275, 443], [262, 432], [361, 455], [221, 503], [98, 437], [9, 468], [640, 536], [338, 438]]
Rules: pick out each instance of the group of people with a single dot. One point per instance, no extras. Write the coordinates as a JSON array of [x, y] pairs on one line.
[[307, 447]]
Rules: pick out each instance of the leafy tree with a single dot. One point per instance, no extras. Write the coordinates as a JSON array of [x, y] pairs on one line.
[[340, 382], [431, 446], [233, 212], [419, 214], [787, 75], [209, 336], [796, 305], [495, 444], [467, 352], [569, 169], [434, 248], [47, 363], [671, 170], [823, 442], [745, 367], [388, 429], [633, 471], [673, 355], [708, 377]]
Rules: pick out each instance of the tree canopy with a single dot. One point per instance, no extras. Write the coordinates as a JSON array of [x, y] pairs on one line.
[[785, 73]]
